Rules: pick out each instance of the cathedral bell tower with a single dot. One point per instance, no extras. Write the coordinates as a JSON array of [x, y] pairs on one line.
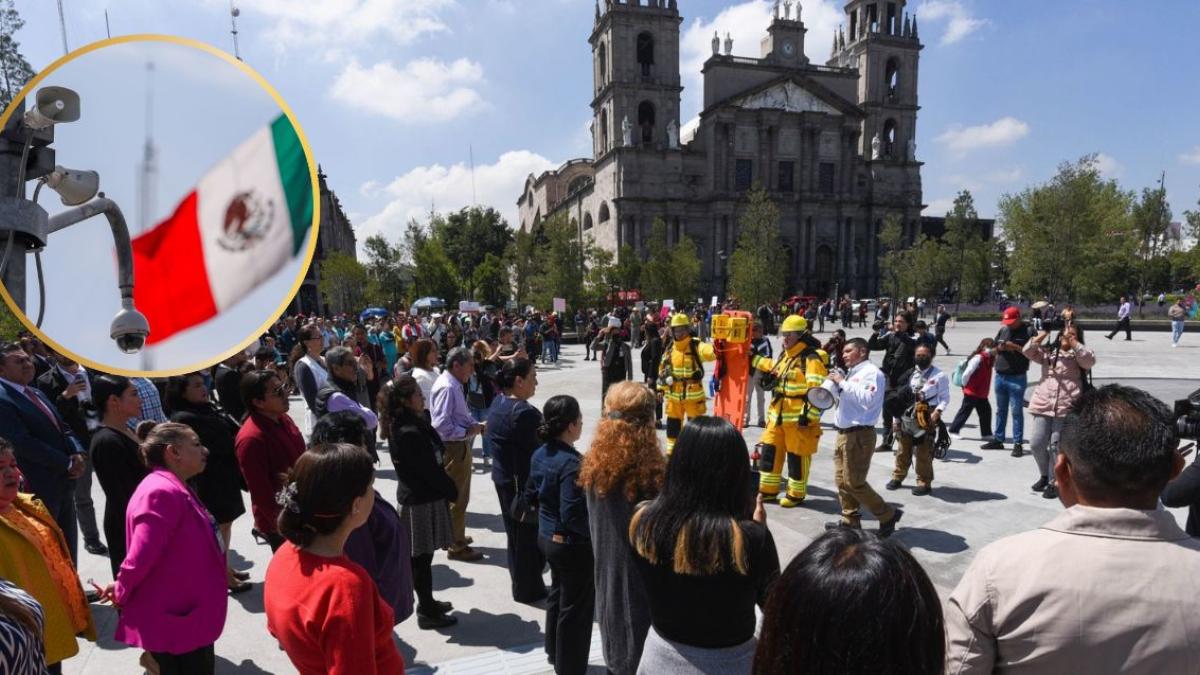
[[635, 65], [880, 40]]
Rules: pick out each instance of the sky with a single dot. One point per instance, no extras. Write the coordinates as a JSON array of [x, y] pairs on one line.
[[203, 108], [398, 97]]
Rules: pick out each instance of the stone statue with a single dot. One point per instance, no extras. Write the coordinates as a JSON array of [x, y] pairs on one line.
[[673, 135], [626, 132], [875, 146], [912, 149], [728, 45], [716, 43], [787, 9]]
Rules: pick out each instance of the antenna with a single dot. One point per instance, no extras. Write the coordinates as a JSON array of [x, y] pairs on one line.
[[234, 12], [471, 154], [107, 30], [62, 24], [148, 167]]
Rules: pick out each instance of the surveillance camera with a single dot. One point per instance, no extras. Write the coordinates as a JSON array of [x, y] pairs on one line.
[[53, 105], [129, 329], [74, 187]]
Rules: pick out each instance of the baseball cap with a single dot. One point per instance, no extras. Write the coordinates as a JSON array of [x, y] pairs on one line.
[[1012, 316]]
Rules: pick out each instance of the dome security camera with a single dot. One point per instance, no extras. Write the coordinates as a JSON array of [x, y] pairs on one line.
[[129, 328]]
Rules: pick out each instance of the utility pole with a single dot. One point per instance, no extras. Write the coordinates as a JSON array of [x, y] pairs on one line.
[[62, 24]]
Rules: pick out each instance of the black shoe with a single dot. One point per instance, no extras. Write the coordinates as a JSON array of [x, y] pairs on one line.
[[95, 548], [1040, 485], [442, 607], [1050, 492], [838, 524], [886, 529], [434, 619], [922, 490], [1107, 337], [883, 447], [893, 484], [1018, 450], [992, 445], [241, 576]]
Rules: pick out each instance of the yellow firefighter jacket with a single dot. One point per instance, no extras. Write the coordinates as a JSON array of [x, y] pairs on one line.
[[686, 374], [798, 369]]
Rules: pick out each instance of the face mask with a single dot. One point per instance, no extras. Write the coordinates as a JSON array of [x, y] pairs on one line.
[[923, 363]]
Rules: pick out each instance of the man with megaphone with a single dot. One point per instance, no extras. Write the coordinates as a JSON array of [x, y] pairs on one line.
[[793, 424]]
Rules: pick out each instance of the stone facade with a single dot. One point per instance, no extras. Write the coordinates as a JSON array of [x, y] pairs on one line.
[[803, 131], [334, 234]]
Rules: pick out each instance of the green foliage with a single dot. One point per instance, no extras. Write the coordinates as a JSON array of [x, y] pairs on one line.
[[343, 283], [389, 276], [491, 279], [521, 254], [685, 261], [756, 269], [628, 268], [433, 273], [558, 269], [601, 275], [669, 271], [467, 237], [973, 256], [15, 71]]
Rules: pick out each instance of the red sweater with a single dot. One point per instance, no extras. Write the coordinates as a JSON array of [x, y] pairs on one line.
[[265, 452], [328, 615]]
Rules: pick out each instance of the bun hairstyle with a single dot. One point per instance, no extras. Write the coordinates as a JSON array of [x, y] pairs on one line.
[[559, 413], [625, 457], [512, 369], [320, 489], [104, 387], [156, 437]]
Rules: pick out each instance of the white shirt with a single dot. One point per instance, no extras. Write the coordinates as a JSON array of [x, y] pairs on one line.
[[1123, 311], [932, 386], [425, 379], [861, 399]]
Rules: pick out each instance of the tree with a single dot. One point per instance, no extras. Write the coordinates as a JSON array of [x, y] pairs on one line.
[[1149, 223], [628, 272], [891, 256], [656, 277], [386, 269], [1191, 261], [521, 256], [685, 263], [601, 275], [758, 261], [491, 279], [559, 264], [971, 253], [9, 324], [467, 237], [433, 273], [15, 71], [1068, 236], [343, 282]]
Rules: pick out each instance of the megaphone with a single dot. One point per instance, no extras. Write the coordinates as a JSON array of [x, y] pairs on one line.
[[51, 106], [823, 397], [74, 187]]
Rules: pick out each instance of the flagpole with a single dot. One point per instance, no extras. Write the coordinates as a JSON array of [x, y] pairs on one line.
[[62, 24], [148, 183]]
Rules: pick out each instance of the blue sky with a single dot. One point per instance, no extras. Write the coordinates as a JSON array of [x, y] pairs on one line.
[[395, 94]]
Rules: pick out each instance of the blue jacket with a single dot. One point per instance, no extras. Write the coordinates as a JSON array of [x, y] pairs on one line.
[[553, 486], [43, 449]]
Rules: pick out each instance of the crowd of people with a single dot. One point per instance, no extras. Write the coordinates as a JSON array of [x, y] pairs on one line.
[[666, 546]]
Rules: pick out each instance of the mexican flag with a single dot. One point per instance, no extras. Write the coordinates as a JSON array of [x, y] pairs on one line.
[[245, 219]]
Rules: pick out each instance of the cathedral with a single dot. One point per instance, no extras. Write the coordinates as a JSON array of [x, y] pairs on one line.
[[833, 144]]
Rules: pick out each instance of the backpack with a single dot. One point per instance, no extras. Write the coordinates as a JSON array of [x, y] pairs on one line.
[[956, 378]]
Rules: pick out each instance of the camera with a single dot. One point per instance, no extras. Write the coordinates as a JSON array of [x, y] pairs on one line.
[[1053, 324], [129, 329], [1187, 416]]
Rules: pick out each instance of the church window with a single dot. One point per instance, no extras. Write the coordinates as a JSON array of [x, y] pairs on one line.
[[645, 52], [825, 177], [577, 184], [786, 175], [603, 131], [603, 61], [743, 174], [889, 138], [893, 21], [892, 78], [587, 221], [603, 215], [646, 121]]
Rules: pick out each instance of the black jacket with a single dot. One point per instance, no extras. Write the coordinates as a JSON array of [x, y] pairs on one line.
[[416, 453], [53, 383], [1185, 491], [898, 355], [652, 353]]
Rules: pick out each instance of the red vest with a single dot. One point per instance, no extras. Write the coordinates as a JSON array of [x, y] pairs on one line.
[[980, 382]]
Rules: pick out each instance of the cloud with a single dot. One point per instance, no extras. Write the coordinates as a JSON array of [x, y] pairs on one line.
[[1108, 166], [1005, 175], [424, 90], [959, 21], [449, 188], [1191, 157], [1004, 131], [747, 24], [329, 24], [939, 207]]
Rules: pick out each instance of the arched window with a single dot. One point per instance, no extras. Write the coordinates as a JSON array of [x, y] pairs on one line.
[[576, 184], [602, 57], [587, 221], [646, 121], [889, 138], [603, 215], [603, 131], [892, 78], [789, 262], [645, 52]]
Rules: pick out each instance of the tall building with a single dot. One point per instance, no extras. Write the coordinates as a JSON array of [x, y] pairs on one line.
[[334, 234], [833, 144]]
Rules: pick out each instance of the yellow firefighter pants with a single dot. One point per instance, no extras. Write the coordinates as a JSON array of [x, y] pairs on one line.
[[676, 410], [799, 444]]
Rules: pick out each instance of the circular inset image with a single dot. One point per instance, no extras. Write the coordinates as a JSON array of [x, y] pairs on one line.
[[157, 206]]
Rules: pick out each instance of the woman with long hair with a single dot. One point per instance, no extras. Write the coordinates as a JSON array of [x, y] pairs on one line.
[[424, 491], [116, 456], [308, 368], [1066, 363], [425, 368], [623, 467], [977, 382], [512, 427], [322, 607], [852, 604], [704, 560], [220, 484], [563, 536], [481, 390]]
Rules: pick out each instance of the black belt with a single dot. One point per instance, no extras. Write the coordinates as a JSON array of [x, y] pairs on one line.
[[857, 428]]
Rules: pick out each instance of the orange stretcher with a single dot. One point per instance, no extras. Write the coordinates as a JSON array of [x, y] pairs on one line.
[[731, 341]]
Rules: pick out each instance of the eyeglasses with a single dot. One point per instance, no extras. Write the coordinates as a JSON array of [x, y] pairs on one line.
[[282, 390]]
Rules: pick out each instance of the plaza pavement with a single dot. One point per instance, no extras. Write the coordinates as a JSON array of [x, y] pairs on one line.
[[978, 497]]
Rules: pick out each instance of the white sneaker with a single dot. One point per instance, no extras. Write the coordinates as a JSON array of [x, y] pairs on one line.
[[1174, 344], [957, 437]]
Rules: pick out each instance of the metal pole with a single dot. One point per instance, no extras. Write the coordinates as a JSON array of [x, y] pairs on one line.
[[120, 232], [10, 168], [62, 23]]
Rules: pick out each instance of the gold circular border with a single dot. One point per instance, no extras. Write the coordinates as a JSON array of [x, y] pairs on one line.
[[312, 172]]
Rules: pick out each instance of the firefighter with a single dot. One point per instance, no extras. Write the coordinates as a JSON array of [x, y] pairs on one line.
[[793, 426], [681, 376]]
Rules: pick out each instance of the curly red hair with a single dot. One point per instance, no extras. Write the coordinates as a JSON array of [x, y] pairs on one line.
[[625, 452]]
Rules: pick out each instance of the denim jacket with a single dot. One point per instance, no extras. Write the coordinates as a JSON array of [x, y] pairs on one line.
[[553, 486]]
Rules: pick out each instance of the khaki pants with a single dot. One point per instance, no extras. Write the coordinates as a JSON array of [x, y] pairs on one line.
[[457, 462], [924, 452], [851, 460]]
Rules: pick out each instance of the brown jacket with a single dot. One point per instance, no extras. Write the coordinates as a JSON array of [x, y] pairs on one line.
[[1093, 591]]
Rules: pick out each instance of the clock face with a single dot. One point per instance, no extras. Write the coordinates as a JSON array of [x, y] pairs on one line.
[[788, 47]]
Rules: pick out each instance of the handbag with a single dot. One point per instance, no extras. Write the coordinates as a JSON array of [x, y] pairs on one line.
[[522, 509]]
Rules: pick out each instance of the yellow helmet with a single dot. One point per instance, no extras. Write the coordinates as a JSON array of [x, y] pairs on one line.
[[680, 319], [794, 324]]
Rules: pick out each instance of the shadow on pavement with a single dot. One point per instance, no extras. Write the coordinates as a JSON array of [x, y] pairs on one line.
[[106, 624], [407, 651], [482, 629], [962, 457], [485, 521], [497, 557], [958, 495], [239, 562], [251, 600], [246, 667], [937, 541], [445, 577], [829, 506]]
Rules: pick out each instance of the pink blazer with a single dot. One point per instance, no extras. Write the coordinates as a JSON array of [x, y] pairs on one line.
[[172, 586]]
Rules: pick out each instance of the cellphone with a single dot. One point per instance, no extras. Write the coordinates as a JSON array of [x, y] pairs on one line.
[[752, 490]]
